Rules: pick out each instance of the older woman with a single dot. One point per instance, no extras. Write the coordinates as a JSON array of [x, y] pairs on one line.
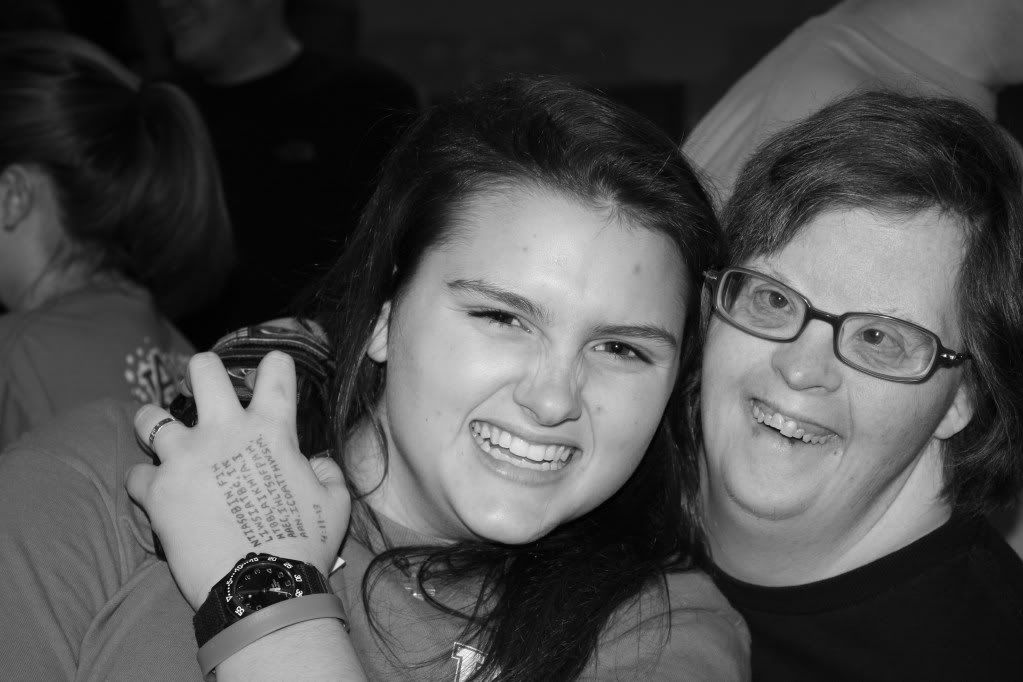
[[862, 396]]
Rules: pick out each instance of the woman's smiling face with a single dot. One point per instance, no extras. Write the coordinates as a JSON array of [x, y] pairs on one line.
[[529, 361], [862, 437]]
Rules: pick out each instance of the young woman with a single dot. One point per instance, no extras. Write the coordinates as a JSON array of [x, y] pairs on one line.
[[511, 327], [111, 218]]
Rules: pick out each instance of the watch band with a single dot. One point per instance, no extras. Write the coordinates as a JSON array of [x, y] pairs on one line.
[[265, 621], [217, 612]]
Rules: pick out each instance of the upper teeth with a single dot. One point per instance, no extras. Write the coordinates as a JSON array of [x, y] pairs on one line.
[[788, 427], [537, 452]]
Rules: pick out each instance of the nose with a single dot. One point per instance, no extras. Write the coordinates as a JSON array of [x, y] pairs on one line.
[[550, 391], [809, 362]]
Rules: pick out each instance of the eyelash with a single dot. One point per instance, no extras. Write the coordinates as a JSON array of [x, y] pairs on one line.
[[498, 317], [636, 355], [501, 318]]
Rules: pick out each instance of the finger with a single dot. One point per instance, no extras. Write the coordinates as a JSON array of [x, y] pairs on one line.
[[211, 386], [153, 425], [327, 472], [276, 391], [140, 478]]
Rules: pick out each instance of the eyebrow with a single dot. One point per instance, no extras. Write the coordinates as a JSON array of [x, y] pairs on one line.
[[484, 289], [478, 287], [650, 332], [890, 311]]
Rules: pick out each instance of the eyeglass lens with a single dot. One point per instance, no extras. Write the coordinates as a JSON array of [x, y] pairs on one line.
[[874, 343]]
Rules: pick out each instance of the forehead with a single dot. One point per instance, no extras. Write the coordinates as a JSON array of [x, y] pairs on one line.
[[856, 259], [549, 245]]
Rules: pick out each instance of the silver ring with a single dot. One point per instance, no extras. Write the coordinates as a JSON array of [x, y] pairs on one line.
[[156, 428]]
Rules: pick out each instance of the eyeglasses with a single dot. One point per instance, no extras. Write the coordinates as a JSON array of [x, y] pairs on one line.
[[879, 345]]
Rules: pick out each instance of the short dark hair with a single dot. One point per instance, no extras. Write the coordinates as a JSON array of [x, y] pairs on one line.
[[554, 595], [900, 155], [135, 177]]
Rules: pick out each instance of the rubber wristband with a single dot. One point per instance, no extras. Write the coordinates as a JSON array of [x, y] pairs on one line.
[[255, 626]]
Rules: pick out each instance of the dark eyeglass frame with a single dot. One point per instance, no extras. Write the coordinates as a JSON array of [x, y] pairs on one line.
[[944, 357]]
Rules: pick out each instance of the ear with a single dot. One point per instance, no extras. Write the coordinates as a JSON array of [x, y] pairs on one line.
[[15, 196], [377, 350], [959, 414]]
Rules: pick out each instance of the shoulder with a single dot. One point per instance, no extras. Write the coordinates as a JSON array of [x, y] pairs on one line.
[[707, 632], [813, 66], [121, 305], [62, 489], [680, 628], [94, 443], [389, 85], [807, 70], [78, 565], [356, 82]]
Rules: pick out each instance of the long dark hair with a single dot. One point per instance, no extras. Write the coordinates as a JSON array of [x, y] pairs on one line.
[[541, 606], [135, 177]]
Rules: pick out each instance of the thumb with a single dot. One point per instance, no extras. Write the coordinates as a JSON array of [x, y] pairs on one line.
[[140, 478]]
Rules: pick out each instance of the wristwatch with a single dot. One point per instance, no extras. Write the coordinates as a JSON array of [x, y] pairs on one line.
[[255, 582]]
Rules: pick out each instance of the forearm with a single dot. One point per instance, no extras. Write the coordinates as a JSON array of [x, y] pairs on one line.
[[312, 650]]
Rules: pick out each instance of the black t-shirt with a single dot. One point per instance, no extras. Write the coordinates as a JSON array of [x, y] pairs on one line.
[[946, 607], [299, 151]]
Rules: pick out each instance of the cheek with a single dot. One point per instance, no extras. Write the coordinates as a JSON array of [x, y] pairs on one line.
[[625, 419], [445, 370], [897, 419], [727, 358]]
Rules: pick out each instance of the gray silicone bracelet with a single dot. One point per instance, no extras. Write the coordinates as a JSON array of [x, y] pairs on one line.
[[233, 639]]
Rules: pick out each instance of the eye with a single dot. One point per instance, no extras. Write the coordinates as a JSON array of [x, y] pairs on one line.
[[874, 337], [887, 341], [620, 350], [776, 300], [498, 317], [766, 297], [888, 345]]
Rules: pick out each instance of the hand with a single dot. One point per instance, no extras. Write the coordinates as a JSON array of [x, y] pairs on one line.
[[236, 481]]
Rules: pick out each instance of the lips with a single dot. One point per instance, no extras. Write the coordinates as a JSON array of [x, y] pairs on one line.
[[518, 451], [789, 427]]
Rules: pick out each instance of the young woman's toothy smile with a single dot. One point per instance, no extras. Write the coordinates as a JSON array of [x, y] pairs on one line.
[[519, 451]]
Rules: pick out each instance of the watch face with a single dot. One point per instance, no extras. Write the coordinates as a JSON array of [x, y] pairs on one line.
[[261, 584]]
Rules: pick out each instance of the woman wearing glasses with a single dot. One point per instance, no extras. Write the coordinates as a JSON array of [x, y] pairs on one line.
[[862, 396]]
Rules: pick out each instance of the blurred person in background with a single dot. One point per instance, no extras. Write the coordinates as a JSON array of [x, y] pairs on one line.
[[299, 137], [111, 220], [965, 50]]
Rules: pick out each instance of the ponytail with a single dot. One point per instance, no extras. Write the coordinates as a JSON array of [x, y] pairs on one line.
[[132, 166], [176, 224]]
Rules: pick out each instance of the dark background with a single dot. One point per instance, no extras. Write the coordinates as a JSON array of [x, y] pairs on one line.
[[670, 59]]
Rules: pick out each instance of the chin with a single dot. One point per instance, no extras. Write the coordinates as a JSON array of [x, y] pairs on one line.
[[510, 531], [757, 501]]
